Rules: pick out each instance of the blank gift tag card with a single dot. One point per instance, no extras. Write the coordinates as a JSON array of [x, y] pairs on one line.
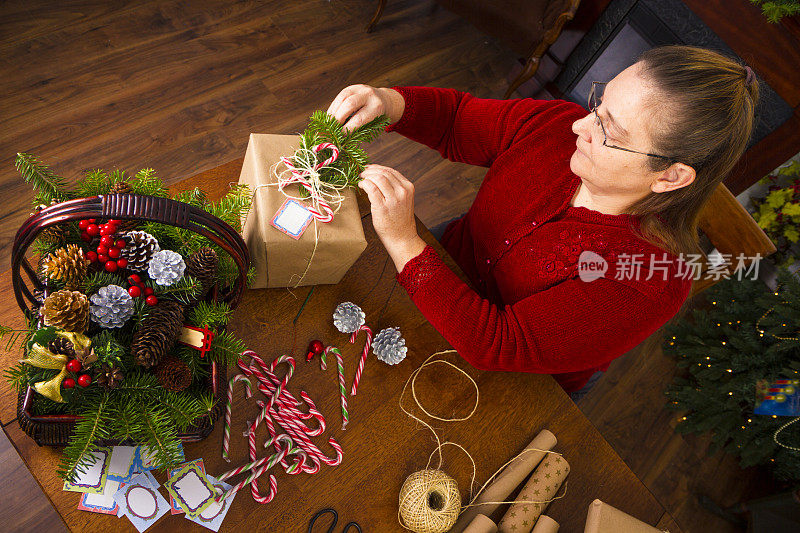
[[172, 471], [292, 218], [122, 464], [141, 503], [103, 502], [95, 470], [191, 489], [215, 513]]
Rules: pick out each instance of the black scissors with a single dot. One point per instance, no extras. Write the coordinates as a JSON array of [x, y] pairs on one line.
[[333, 524]]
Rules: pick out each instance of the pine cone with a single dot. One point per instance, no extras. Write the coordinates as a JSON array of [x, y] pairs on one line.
[[123, 187], [109, 377], [67, 265], [157, 333], [173, 373], [111, 307], [389, 346], [62, 346], [166, 267], [139, 249], [348, 317], [55, 234], [66, 309], [202, 265]]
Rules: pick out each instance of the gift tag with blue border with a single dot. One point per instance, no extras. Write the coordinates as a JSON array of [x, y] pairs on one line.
[[292, 218]]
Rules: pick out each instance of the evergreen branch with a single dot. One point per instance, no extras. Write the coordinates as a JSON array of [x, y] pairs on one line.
[[186, 290], [17, 376], [96, 280], [43, 179], [93, 425], [146, 183], [226, 348], [184, 409], [210, 314], [95, 182], [153, 428], [13, 337]]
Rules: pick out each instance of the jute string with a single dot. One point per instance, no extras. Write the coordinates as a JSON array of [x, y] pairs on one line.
[[429, 499]]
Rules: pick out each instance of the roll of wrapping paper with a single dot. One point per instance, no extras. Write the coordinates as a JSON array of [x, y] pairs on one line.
[[508, 480], [481, 524], [542, 486], [545, 524]]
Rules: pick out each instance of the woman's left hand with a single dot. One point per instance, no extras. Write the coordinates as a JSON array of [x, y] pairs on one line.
[[392, 199]]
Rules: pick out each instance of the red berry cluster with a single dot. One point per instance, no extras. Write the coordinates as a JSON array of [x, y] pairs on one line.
[[138, 289], [84, 380], [108, 250]]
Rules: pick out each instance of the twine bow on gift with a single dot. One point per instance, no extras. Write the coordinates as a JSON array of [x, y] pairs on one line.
[[304, 170]]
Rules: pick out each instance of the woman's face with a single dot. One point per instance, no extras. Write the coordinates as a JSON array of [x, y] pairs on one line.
[[627, 112]]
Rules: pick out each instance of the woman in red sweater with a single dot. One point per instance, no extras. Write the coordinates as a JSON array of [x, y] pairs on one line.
[[566, 192]]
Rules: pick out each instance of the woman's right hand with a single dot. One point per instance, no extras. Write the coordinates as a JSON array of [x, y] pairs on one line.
[[362, 103]]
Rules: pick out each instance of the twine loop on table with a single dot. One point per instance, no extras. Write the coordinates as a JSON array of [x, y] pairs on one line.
[[429, 499]]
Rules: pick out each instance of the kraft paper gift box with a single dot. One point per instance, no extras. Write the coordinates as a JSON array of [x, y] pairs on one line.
[[279, 259], [603, 518]]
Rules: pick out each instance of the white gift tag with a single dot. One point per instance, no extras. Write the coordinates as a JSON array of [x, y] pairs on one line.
[[292, 218]]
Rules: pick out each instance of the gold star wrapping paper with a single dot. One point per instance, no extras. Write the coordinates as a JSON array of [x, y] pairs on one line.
[[542, 486]]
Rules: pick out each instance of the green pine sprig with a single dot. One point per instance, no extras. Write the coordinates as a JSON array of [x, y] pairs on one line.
[[94, 424], [48, 184], [186, 290], [146, 182], [352, 159], [226, 348], [210, 314]]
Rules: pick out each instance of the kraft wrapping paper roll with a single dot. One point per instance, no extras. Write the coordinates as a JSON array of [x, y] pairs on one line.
[[481, 524], [545, 524], [542, 486], [508, 480]]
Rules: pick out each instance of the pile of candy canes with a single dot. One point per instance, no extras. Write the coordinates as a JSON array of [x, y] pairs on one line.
[[294, 450]]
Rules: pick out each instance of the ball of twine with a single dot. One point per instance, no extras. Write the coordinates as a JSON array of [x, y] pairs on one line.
[[429, 502]]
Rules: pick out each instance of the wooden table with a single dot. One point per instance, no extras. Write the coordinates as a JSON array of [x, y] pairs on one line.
[[381, 445]]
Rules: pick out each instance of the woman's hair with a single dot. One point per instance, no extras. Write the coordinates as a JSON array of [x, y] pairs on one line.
[[705, 103]]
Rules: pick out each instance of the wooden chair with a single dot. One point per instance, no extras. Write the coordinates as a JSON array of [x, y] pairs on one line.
[[731, 230], [527, 27]]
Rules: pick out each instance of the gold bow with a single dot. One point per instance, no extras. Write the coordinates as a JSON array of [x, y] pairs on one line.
[[41, 357]]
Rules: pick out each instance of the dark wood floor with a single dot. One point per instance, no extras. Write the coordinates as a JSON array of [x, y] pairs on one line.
[[179, 85]]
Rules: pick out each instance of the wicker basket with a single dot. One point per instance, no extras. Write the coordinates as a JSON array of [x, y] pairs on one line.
[[55, 430]]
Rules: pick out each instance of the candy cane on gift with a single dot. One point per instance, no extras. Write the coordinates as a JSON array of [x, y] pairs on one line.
[[342, 388], [226, 435], [321, 210], [364, 355]]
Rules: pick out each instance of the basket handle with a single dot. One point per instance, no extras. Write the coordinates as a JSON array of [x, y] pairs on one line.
[[126, 207]]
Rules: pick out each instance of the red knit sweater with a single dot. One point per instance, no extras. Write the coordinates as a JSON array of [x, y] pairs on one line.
[[527, 310]]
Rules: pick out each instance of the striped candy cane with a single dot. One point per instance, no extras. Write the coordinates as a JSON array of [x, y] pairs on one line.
[[325, 213], [342, 390], [364, 355], [266, 464], [226, 435]]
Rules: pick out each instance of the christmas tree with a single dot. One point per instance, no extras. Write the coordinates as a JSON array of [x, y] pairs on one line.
[[749, 335]]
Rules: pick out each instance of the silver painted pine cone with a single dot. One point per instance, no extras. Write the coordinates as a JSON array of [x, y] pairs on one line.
[[389, 346], [166, 267], [111, 306], [348, 317]]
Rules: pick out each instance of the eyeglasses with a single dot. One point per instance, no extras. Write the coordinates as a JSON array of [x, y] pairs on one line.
[[595, 98]]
